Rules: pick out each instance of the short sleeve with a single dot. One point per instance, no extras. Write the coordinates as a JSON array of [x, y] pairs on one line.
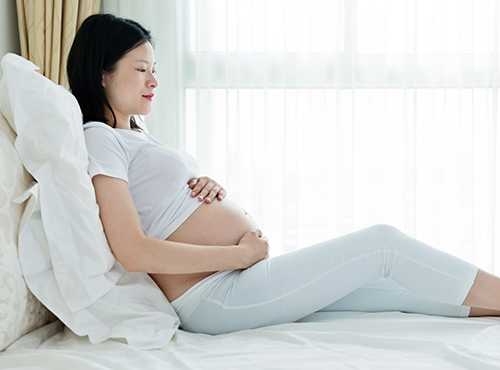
[[106, 154]]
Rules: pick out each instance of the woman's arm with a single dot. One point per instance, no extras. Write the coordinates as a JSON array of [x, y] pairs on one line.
[[137, 252]]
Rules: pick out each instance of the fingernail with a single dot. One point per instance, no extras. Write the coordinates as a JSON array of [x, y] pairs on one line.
[[208, 200]]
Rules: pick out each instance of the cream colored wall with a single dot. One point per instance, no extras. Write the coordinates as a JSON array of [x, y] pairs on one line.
[[9, 34]]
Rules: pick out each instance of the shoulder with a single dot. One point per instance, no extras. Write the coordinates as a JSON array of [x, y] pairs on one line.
[[100, 132], [98, 127], [102, 139]]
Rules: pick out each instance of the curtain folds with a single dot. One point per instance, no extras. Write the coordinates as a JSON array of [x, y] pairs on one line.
[[322, 117], [47, 29]]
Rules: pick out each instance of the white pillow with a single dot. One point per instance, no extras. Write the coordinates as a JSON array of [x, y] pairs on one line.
[[20, 311], [64, 254], [51, 144]]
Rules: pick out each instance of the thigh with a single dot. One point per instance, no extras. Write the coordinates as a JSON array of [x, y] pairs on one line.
[[288, 287]]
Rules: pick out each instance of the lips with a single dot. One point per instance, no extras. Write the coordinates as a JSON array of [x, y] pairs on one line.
[[149, 97]]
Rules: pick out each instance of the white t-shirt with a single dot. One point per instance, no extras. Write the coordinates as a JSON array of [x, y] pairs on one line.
[[157, 174]]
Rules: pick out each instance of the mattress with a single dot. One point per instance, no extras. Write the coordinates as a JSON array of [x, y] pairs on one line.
[[336, 340]]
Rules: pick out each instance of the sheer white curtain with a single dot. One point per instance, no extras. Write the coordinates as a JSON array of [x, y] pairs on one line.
[[322, 117]]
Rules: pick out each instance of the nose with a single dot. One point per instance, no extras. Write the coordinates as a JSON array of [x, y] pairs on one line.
[[153, 81]]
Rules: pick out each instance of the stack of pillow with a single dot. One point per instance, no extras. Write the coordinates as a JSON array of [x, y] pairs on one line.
[[20, 311], [65, 258]]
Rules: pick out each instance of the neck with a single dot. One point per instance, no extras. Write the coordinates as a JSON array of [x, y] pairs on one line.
[[121, 121]]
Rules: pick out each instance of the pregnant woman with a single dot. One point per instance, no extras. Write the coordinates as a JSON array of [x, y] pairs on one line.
[[206, 253]]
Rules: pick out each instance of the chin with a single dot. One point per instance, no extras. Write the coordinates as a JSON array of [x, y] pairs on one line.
[[145, 111], [142, 112]]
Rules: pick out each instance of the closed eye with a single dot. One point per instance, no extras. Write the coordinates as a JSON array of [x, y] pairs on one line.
[[143, 70]]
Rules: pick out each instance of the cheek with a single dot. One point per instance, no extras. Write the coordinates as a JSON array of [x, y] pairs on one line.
[[119, 92], [124, 91], [112, 91]]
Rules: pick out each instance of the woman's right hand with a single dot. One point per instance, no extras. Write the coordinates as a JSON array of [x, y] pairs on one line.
[[255, 248]]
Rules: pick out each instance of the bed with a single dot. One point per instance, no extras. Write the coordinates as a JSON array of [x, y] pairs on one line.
[[81, 330], [343, 340]]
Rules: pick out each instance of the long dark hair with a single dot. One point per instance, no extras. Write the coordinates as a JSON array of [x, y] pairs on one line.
[[101, 41]]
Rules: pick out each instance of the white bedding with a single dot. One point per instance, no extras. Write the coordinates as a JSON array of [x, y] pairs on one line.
[[342, 340]]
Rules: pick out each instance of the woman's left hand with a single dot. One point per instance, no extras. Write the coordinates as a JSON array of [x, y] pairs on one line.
[[206, 188]]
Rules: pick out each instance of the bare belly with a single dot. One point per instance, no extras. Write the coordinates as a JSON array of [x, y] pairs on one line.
[[218, 223]]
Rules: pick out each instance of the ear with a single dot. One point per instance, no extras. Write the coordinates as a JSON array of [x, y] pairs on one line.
[[104, 78]]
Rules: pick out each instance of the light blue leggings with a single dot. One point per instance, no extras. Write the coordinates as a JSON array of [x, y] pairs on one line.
[[375, 269]]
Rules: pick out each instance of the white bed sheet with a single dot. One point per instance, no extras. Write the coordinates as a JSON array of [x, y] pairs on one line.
[[341, 340]]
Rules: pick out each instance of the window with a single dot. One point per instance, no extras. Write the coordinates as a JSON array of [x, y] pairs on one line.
[[323, 117]]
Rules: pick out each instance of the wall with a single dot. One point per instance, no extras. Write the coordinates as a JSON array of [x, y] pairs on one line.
[[9, 34]]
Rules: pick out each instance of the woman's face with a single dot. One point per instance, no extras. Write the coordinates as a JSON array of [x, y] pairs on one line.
[[130, 87]]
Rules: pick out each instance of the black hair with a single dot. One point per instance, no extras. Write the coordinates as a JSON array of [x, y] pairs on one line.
[[101, 41]]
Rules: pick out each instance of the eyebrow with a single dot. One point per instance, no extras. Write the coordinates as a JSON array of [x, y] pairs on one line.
[[144, 61]]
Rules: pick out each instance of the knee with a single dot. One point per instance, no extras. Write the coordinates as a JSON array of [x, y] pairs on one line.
[[383, 230]]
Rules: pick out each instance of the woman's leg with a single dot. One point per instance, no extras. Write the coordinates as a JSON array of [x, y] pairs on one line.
[[386, 295], [293, 285], [479, 312], [485, 292]]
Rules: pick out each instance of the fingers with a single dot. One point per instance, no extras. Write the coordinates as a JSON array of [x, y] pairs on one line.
[[257, 232], [198, 185], [209, 192], [214, 193], [264, 245], [192, 183], [222, 194], [206, 188], [256, 247]]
